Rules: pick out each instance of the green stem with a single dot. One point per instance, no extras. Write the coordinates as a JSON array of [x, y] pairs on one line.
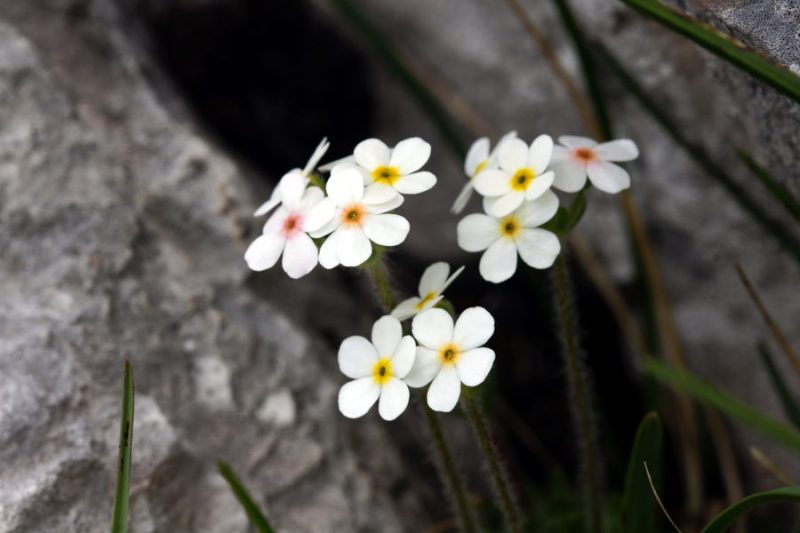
[[378, 274], [580, 393], [499, 478]]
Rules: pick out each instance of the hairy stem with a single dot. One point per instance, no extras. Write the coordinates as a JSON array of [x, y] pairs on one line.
[[379, 276]]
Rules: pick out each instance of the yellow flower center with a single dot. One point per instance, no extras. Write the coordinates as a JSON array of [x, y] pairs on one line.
[[352, 215], [522, 179], [382, 371], [428, 297], [480, 168], [387, 175], [510, 226], [449, 354]]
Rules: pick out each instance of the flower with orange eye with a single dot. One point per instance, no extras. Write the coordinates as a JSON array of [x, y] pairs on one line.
[[580, 157]]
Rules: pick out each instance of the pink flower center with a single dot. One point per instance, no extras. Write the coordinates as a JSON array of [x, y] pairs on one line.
[[292, 224], [584, 155]]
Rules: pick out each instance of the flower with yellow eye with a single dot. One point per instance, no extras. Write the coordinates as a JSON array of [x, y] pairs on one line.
[[516, 233], [449, 355], [580, 157], [522, 175], [478, 159], [397, 167], [360, 218], [377, 369], [434, 281]]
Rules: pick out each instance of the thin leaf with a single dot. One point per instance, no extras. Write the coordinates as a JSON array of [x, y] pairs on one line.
[[658, 499], [770, 466], [723, 521], [722, 45], [777, 190], [255, 515], [638, 511], [787, 400], [119, 522], [733, 407]]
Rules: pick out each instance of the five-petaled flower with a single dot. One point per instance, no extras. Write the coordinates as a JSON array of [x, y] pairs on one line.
[[522, 175], [504, 237], [579, 157], [377, 369], [434, 281], [397, 167], [449, 355], [478, 159]]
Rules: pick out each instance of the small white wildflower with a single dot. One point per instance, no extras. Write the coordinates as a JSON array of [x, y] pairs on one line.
[[479, 158], [275, 198], [397, 167], [286, 230], [504, 237], [378, 369], [359, 219], [432, 284], [580, 156], [449, 355], [522, 175]]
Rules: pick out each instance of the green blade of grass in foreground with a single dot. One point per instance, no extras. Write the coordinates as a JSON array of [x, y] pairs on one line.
[[734, 408], [722, 45], [119, 522], [726, 518], [638, 505], [255, 515], [787, 400], [778, 191]]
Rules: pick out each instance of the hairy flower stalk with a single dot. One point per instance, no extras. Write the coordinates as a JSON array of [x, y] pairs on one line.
[[583, 416]]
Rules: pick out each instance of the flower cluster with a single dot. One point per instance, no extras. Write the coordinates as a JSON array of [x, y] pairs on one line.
[[515, 181]]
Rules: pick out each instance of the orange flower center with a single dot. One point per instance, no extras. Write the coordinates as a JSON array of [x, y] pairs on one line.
[[352, 215], [584, 155], [292, 224]]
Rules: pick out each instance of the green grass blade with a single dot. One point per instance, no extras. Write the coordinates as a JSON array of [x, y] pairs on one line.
[[734, 408], [699, 155], [119, 522], [255, 515], [723, 46], [726, 518], [787, 400], [771, 184], [638, 505]]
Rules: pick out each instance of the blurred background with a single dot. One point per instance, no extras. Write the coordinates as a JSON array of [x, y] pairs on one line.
[[138, 136]]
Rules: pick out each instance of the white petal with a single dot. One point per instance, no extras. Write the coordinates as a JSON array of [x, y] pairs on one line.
[[513, 155], [386, 334], [394, 203], [291, 188], [269, 205], [570, 175], [492, 182], [462, 198], [275, 223], [539, 185], [477, 232], [477, 154], [503, 205], [352, 246], [328, 256], [409, 155], [573, 141], [608, 177], [311, 197], [538, 248], [499, 261], [319, 151], [619, 150], [444, 390], [540, 153], [332, 225], [473, 366], [371, 153], [494, 156], [264, 252], [406, 308], [356, 397], [434, 278], [473, 328], [357, 357], [537, 212], [453, 277], [415, 183], [404, 355], [319, 216], [345, 186], [560, 154], [433, 328], [378, 193], [349, 160], [386, 230], [426, 365], [394, 399], [299, 256]]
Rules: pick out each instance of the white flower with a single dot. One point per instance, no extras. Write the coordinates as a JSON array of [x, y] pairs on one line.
[[504, 237], [395, 167], [580, 157], [377, 369], [522, 175], [450, 355], [431, 286], [479, 158], [286, 230], [358, 218], [275, 198]]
